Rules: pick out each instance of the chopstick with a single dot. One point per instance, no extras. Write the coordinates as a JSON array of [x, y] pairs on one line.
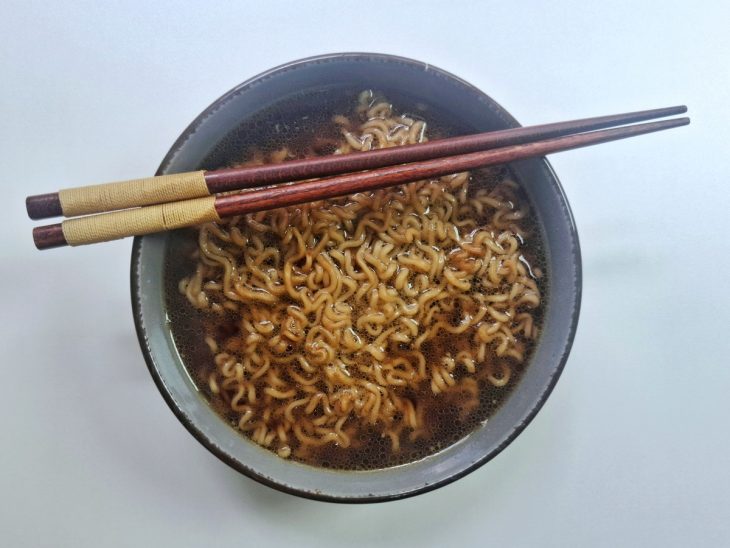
[[169, 216], [169, 188]]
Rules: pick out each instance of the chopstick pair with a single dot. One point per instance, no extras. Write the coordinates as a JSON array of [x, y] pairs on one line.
[[167, 202]]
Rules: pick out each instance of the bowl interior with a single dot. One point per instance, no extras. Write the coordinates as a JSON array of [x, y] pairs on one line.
[[469, 108]]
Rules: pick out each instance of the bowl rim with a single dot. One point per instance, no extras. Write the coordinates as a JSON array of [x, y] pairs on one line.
[[236, 464]]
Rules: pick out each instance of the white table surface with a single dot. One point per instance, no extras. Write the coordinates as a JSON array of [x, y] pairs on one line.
[[633, 447]]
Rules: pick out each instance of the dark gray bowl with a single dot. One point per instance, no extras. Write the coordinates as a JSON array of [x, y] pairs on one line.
[[462, 101]]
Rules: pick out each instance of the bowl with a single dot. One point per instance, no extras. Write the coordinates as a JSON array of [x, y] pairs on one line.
[[470, 106]]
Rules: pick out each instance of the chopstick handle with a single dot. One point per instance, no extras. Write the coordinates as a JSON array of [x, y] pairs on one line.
[[86, 200], [105, 227]]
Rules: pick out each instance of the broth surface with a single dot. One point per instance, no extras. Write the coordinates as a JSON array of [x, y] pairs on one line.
[[303, 124]]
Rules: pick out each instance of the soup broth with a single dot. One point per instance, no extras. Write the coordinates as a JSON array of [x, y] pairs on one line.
[[368, 331]]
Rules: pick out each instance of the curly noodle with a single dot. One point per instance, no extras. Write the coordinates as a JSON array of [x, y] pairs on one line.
[[343, 306]]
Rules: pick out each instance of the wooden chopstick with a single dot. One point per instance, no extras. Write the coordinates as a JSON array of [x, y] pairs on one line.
[[308, 191], [146, 191]]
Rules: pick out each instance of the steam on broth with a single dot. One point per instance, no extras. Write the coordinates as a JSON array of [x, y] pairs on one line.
[[366, 331]]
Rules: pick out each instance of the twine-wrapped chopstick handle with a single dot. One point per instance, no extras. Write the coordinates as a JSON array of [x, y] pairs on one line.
[[133, 193], [137, 222]]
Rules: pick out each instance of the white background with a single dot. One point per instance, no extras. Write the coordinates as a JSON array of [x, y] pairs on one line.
[[633, 447]]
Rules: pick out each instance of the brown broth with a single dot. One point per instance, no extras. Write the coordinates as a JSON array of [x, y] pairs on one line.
[[301, 123]]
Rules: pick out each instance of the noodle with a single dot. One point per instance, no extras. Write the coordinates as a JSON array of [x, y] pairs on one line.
[[348, 311]]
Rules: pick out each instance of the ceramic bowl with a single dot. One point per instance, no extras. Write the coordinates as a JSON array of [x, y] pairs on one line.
[[470, 107]]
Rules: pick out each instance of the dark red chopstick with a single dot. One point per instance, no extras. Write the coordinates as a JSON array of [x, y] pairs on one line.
[[223, 180], [287, 195]]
